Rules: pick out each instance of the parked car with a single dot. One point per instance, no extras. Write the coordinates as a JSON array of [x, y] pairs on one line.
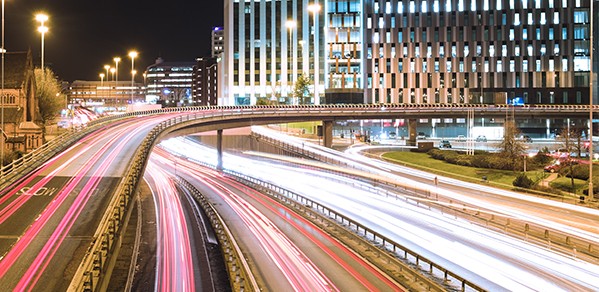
[[444, 144], [461, 138], [558, 164], [481, 138], [421, 135]]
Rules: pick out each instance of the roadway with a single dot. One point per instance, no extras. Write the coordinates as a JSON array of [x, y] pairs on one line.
[[48, 219], [286, 251], [491, 259]]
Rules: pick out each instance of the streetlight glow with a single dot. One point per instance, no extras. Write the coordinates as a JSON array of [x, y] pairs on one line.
[[132, 55], [41, 18]]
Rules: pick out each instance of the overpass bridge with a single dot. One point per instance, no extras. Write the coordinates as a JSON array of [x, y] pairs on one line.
[[181, 121]]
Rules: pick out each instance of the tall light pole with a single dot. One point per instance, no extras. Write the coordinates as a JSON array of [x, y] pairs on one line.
[[112, 71], [290, 24], [315, 9], [3, 51], [132, 55], [101, 81], [41, 18], [107, 68], [592, 12], [116, 78]]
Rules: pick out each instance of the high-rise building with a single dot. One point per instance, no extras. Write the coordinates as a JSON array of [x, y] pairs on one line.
[[483, 51], [412, 51], [169, 83], [204, 89], [268, 45], [218, 41]]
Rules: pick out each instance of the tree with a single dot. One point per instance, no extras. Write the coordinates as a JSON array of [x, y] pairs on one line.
[[49, 95], [301, 89], [511, 147]]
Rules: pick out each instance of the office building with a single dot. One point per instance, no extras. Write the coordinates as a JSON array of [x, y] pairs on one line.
[[105, 96], [204, 89], [218, 41], [483, 51], [268, 45], [169, 83]]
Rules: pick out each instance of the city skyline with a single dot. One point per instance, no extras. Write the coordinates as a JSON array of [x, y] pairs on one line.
[[83, 37]]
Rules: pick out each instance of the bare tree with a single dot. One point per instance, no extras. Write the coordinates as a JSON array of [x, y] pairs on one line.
[[511, 147]]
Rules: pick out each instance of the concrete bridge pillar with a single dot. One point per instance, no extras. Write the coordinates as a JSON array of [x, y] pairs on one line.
[[327, 133], [219, 149], [411, 132]]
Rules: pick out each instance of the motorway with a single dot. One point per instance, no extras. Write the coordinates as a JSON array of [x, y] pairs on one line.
[[286, 251], [48, 219], [489, 258]]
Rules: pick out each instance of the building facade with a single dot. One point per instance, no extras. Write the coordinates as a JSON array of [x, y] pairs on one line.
[[169, 83], [218, 41], [268, 45], [477, 51], [105, 96], [204, 89], [22, 124]]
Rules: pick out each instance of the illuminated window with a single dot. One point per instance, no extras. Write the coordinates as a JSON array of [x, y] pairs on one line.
[[537, 4], [543, 50], [543, 19], [499, 66], [556, 49], [511, 4], [512, 36], [529, 50], [530, 19], [486, 5], [504, 50], [565, 64], [436, 6], [375, 37], [524, 33], [538, 65], [448, 6], [473, 5], [555, 17], [376, 6], [564, 3], [525, 3], [381, 22], [551, 33], [486, 66], [512, 66], [492, 51], [499, 4], [525, 65], [466, 51], [423, 7], [412, 7], [417, 51], [517, 19], [388, 7], [551, 65], [448, 66], [564, 33], [517, 51], [460, 5], [400, 7]]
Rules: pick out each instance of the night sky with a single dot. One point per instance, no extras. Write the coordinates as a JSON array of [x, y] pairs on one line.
[[84, 35]]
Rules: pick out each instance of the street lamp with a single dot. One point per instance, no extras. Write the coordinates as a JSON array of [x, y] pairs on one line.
[[41, 18], [101, 82], [315, 9], [107, 68], [290, 24], [592, 13], [116, 78], [112, 71], [3, 51], [132, 55]]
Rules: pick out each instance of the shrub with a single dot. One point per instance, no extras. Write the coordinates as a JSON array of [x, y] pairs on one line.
[[523, 181]]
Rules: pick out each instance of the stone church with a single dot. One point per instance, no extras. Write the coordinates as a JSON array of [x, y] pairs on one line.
[[22, 130]]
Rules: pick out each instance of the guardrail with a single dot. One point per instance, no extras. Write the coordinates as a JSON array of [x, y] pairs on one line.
[[91, 272], [522, 228], [240, 275], [422, 263]]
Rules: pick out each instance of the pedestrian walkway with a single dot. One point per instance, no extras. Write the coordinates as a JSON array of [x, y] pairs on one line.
[[545, 182]]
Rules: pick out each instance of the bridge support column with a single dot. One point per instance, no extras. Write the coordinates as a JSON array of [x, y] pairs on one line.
[[411, 132], [327, 133], [219, 149]]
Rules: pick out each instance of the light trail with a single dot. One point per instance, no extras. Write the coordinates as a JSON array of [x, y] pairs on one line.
[[488, 258]]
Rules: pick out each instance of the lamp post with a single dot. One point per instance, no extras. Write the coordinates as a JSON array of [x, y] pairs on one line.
[[132, 55], [101, 82], [112, 71], [290, 24], [591, 106], [107, 68], [116, 76], [315, 9], [41, 18], [3, 51]]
